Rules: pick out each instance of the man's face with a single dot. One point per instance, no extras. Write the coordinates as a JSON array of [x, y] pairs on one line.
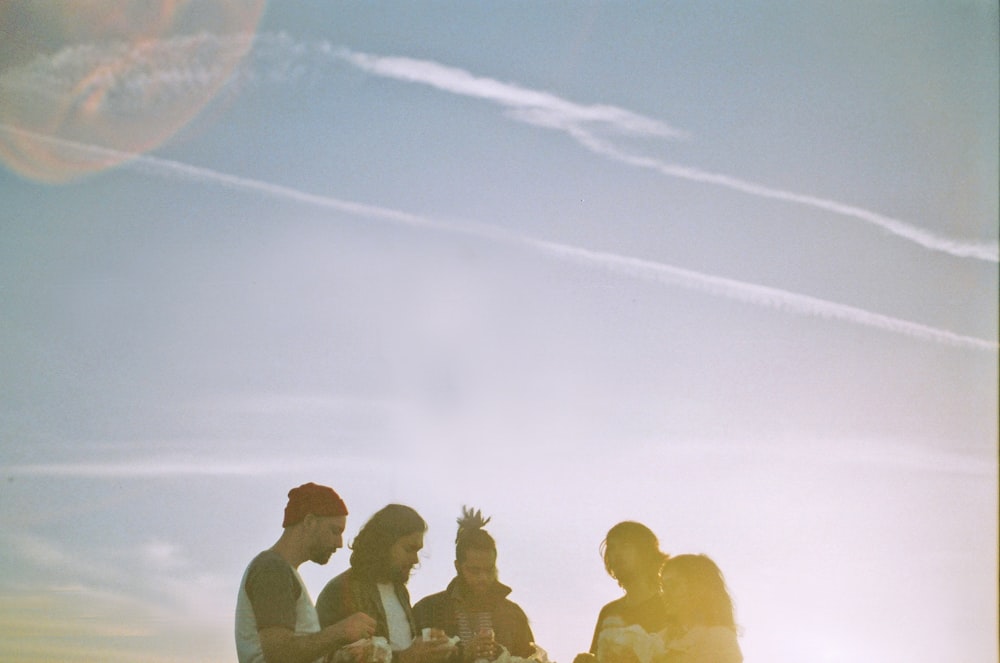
[[478, 570], [403, 556], [326, 536]]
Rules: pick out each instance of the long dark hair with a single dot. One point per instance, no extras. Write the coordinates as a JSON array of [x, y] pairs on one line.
[[643, 540], [707, 601], [371, 547]]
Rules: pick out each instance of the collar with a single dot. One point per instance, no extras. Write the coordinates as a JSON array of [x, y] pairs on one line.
[[458, 590]]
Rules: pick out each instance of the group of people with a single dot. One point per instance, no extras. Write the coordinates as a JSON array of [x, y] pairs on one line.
[[675, 609]]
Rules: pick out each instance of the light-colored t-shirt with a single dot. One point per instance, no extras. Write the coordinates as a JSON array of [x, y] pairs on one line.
[[400, 636], [271, 594]]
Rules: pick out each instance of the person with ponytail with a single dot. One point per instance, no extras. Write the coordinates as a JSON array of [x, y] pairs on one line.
[[632, 556], [475, 606]]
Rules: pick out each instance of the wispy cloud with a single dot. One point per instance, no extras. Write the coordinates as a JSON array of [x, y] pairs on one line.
[[174, 467], [149, 600], [180, 70], [547, 110], [988, 251], [624, 265], [529, 105]]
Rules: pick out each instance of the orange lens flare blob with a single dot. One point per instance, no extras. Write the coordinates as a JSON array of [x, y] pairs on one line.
[[124, 75]]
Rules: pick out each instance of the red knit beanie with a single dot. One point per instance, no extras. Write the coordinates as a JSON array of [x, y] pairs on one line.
[[315, 499]]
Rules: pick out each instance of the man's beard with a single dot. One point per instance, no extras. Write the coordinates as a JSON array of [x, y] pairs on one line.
[[401, 575], [321, 555]]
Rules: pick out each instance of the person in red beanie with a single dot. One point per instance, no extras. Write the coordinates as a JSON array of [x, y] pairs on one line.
[[276, 620]]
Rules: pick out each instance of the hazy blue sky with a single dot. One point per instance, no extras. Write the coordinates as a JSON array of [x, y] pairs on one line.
[[728, 269]]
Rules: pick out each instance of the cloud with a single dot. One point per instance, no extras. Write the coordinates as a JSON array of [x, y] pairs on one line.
[[49, 557], [179, 70], [547, 110], [988, 251], [759, 295], [536, 107], [162, 612], [194, 466], [624, 265], [131, 96]]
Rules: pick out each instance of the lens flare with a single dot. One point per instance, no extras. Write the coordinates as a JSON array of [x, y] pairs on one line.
[[121, 74]]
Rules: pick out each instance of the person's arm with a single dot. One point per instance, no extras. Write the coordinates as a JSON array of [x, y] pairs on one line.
[[591, 656], [282, 645], [334, 602], [525, 647], [423, 614]]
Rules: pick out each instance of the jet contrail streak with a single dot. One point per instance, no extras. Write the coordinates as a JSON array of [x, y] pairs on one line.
[[547, 110], [619, 264], [981, 250], [754, 294], [170, 69], [463, 83]]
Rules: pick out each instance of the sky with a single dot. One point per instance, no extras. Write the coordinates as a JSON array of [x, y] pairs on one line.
[[726, 269]]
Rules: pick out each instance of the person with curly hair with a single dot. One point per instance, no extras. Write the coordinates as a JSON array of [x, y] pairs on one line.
[[700, 627], [475, 606], [382, 556]]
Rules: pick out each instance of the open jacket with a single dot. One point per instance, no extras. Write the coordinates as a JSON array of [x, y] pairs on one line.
[[348, 593], [510, 624]]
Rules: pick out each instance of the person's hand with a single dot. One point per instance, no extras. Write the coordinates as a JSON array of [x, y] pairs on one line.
[[435, 649], [356, 653], [585, 658], [353, 628], [481, 646]]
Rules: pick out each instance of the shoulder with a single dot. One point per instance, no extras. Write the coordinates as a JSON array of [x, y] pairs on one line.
[[268, 560], [431, 601], [269, 566], [512, 608], [337, 584], [613, 608]]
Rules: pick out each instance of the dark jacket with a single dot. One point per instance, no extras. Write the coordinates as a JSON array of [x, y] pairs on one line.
[[347, 594], [651, 615], [510, 624]]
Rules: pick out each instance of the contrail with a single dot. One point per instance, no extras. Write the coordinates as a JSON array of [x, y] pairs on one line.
[[624, 265], [981, 250], [543, 107], [547, 110], [159, 73]]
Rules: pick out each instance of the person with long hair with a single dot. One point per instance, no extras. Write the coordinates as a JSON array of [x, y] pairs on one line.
[[475, 606], [382, 556], [632, 556], [701, 627]]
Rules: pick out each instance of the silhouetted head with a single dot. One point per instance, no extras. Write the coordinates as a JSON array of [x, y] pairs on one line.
[[318, 517], [386, 547], [632, 553], [695, 592], [475, 552]]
